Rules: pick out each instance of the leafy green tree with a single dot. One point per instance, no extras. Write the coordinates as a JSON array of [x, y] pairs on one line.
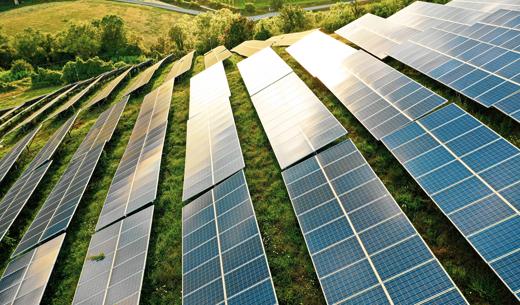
[[356, 8], [337, 16], [113, 35], [6, 51], [241, 29], [292, 18], [81, 40], [34, 46], [178, 35], [45, 77], [82, 69], [276, 4]]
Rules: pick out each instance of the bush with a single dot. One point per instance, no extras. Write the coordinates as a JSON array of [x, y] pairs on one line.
[[83, 69], [292, 19], [21, 66], [4, 86], [250, 7], [46, 77]]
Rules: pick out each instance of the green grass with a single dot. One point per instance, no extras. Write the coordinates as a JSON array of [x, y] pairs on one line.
[[22, 94]]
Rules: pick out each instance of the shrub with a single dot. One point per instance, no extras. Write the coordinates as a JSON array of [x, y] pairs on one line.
[[292, 19], [45, 77], [83, 69], [4, 86], [21, 66], [250, 7]]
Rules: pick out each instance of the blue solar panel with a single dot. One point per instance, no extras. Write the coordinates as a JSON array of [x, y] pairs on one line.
[[223, 255], [471, 173], [364, 249]]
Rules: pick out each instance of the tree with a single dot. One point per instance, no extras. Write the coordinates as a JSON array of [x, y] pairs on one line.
[[6, 51], [178, 36], [113, 35], [34, 46], [356, 9], [292, 18], [241, 29], [277, 4], [81, 40]]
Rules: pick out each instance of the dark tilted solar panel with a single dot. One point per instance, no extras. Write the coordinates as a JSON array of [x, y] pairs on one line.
[[135, 182], [262, 69], [61, 204], [145, 76], [380, 97], [18, 195], [216, 55], [107, 90], [207, 86], [12, 156], [26, 277], [113, 270], [375, 34], [213, 150], [364, 248], [471, 173], [181, 66], [44, 108], [223, 258]]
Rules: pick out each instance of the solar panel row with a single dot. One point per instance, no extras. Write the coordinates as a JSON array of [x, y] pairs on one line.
[[145, 76], [135, 182], [113, 270], [60, 206], [107, 90], [216, 55], [25, 278], [13, 111], [285, 40], [181, 66], [250, 47], [471, 173], [213, 150], [296, 122], [381, 98], [364, 248], [19, 194], [8, 160], [223, 259], [485, 5], [207, 86]]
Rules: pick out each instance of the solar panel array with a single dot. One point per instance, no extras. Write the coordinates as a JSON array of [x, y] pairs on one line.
[[25, 278], [213, 150], [13, 111], [145, 76], [107, 90], [12, 156], [135, 182], [364, 248], [59, 208], [207, 86], [376, 34], [250, 47], [113, 270], [471, 173], [216, 55], [380, 97], [223, 258], [285, 40], [296, 122], [181, 66], [19, 194], [485, 5]]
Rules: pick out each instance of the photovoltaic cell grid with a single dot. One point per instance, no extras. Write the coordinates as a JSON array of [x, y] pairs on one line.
[[375, 34], [488, 74], [145, 76], [181, 66], [250, 47], [135, 182], [207, 86], [18, 195], [59, 208], [25, 278], [118, 277], [216, 55], [364, 249], [10, 158], [485, 5], [285, 40], [223, 260], [380, 97], [105, 92], [213, 150], [471, 173], [296, 122]]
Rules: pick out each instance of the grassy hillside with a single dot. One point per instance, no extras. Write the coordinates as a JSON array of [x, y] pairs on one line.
[[145, 22]]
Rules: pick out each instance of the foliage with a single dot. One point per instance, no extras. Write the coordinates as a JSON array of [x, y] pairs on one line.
[[97, 258], [292, 19], [19, 69], [276, 4], [34, 46], [338, 15], [6, 86], [239, 30], [250, 7], [6, 51], [45, 77], [83, 69], [82, 40]]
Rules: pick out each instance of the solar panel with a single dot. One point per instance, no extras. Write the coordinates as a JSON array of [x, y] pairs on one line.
[[107, 90], [375, 34], [181, 66], [285, 40], [364, 248], [145, 76], [207, 86], [135, 182], [216, 55], [223, 259], [250, 47], [262, 69], [113, 270], [485, 5], [11, 112], [471, 173], [213, 150], [35, 114], [10, 158], [18, 195], [380, 97], [59, 207], [26, 277]]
